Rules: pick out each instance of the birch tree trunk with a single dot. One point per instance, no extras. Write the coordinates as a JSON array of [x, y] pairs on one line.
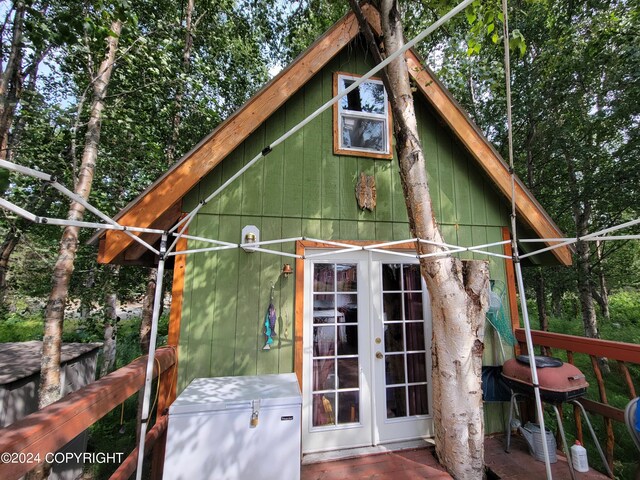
[[11, 80], [581, 215], [54, 313], [8, 246], [110, 319], [603, 298], [459, 291], [177, 102]]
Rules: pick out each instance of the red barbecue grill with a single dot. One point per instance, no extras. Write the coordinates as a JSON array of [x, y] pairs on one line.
[[558, 382]]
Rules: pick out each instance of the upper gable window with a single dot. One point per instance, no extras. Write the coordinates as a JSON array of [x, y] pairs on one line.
[[361, 119]]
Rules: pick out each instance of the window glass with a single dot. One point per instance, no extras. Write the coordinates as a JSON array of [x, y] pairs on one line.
[[363, 133], [363, 123], [368, 97]]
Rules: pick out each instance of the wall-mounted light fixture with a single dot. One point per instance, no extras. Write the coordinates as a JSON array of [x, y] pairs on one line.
[[250, 234], [286, 270]]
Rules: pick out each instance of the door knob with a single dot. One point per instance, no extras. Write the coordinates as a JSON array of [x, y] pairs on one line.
[[379, 355]]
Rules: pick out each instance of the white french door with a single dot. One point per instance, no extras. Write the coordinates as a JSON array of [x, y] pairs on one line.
[[366, 351]]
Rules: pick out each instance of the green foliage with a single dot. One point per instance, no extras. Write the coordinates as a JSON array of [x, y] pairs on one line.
[[15, 327], [625, 308], [151, 84], [303, 23]]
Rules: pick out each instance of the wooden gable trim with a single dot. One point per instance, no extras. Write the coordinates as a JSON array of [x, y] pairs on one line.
[[209, 153], [478, 146], [170, 188], [529, 209]]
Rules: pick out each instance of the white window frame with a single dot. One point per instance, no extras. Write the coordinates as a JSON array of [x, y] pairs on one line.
[[340, 113]]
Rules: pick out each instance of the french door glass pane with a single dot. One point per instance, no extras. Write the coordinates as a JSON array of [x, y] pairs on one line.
[[396, 402], [336, 369], [394, 337], [324, 377], [324, 278], [348, 373], [412, 277], [416, 371], [418, 400], [415, 336], [394, 365], [404, 342], [392, 306], [413, 306], [347, 278], [391, 278], [324, 404]]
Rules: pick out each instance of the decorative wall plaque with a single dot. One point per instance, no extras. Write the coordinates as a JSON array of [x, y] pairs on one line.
[[366, 192]]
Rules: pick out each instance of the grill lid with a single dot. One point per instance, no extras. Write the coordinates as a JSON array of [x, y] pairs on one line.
[[541, 361]]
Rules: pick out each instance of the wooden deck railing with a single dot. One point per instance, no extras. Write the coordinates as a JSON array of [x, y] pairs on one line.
[[622, 353], [51, 428]]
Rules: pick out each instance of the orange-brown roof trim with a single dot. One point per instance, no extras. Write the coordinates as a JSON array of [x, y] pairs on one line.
[[192, 167]]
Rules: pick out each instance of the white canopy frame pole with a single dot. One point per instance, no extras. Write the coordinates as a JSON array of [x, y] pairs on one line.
[[514, 246], [152, 355], [51, 180], [591, 236], [184, 223]]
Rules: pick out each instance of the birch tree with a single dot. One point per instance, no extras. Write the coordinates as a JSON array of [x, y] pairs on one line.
[[10, 89], [458, 290], [50, 388]]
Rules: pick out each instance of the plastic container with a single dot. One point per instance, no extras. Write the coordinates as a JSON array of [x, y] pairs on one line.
[[579, 457]]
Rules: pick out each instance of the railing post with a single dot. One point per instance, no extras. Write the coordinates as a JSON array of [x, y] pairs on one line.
[[607, 421]]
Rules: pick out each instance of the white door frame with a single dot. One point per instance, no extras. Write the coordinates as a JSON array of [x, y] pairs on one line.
[[373, 428]]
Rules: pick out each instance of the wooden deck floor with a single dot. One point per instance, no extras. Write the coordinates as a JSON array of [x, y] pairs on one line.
[[420, 463]]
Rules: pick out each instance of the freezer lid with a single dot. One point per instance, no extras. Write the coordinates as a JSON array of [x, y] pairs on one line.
[[232, 393]]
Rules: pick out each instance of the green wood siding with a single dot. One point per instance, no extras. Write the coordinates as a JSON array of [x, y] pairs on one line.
[[302, 189]]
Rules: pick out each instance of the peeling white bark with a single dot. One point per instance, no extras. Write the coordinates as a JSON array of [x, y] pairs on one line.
[[459, 290]]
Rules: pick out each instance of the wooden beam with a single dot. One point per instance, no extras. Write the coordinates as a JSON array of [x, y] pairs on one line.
[[299, 313], [511, 281], [605, 410], [224, 139], [165, 222], [51, 428], [625, 352]]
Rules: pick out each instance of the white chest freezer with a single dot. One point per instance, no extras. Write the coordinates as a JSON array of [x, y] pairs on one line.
[[235, 428]]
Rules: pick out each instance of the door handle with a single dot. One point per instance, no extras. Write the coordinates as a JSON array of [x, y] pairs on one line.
[[379, 355]]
